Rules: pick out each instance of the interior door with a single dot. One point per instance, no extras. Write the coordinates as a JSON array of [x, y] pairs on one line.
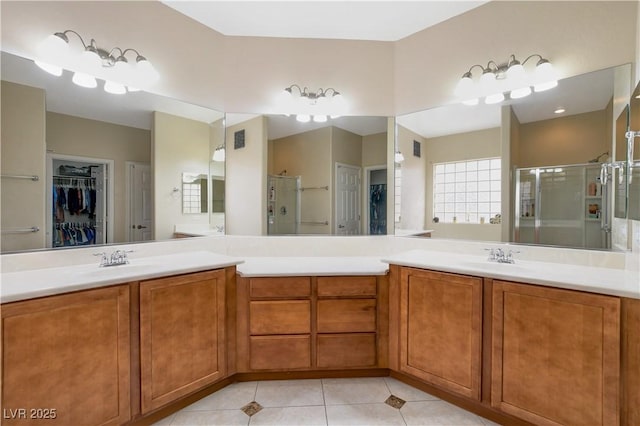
[[140, 202], [347, 200]]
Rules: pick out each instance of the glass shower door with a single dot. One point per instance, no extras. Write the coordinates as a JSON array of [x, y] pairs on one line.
[[561, 211]]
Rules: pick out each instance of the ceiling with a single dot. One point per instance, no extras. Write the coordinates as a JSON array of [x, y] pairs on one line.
[[353, 20]]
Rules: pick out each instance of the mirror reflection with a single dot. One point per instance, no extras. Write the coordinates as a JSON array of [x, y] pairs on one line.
[[325, 178], [634, 152], [109, 167], [526, 171]]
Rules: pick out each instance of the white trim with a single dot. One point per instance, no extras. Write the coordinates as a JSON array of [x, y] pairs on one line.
[[110, 188], [366, 198]]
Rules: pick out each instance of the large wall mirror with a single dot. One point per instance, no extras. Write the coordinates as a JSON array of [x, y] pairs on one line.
[[528, 170], [81, 166], [634, 151], [327, 178]]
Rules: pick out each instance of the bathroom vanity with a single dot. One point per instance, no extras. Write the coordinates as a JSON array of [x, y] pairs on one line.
[[529, 343]]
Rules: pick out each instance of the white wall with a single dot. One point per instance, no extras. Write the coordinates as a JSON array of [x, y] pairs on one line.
[[414, 180], [246, 199], [179, 145]]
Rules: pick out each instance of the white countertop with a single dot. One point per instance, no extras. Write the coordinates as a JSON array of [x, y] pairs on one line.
[[30, 284], [311, 266], [615, 282]]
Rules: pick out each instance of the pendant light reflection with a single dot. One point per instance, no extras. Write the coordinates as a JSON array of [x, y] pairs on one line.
[[219, 154], [509, 78]]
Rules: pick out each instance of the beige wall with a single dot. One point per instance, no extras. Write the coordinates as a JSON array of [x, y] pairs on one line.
[[246, 179], [462, 146], [308, 155], [244, 74], [22, 149], [573, 139], [82, 137], [180, 145], [374, 150], [413, 186], [566, 32]]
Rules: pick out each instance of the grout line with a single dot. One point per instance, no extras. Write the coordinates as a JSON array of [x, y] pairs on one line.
[[324, 401]]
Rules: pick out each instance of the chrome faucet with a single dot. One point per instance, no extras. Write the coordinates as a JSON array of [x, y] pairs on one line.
[[500, 256], [118, 257]]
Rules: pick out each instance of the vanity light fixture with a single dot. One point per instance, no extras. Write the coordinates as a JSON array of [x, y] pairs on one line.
[[318, 106], [398, 157], [55, 54], [498, 79]]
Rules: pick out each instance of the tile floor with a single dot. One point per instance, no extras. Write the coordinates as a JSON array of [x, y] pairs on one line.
[[327, 402]]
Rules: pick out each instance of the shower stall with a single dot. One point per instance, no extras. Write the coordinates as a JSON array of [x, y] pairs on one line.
[[283, 205], [563, 206]]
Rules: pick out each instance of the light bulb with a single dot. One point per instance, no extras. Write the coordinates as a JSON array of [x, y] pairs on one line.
[[471, 102], [84, 80], [114, 88], [520, 93], [90, 61], [54, 46], [219, 154], [122, 70], [145, 70], [320, 118], [515, 71], [303, 118], [398, 157], [464, 87], [51, 69], [494, 99], [544, 76], [487, 81]]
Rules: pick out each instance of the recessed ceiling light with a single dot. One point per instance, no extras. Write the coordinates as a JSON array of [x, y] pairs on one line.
[[559, 111]]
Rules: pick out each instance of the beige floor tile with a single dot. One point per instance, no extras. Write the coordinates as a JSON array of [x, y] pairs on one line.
[[355, 391], [165, 422], [294, 416], [363, 414], [232, 397], [211, 418], [406, 392], [289, 393], [437, 413]]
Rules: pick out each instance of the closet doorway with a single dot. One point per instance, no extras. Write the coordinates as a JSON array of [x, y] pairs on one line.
[[79, 202], [375, 192]]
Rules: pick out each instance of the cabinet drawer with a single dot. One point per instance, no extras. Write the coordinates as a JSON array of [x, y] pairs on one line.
[[350, 315], [280, 317], [280, 352], [280, 287], [346, 286], [346, 350]]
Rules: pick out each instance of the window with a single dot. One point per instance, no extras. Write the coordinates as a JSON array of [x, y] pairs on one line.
[[191, 198], [467, 191]]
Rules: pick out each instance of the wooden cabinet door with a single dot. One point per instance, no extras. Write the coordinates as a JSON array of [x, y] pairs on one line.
[[65, 359], [556, 355], [182, 335], [441, 329]]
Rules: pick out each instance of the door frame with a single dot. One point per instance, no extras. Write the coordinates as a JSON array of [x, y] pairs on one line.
[[128, 177], [109, 211], [366, 198]]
